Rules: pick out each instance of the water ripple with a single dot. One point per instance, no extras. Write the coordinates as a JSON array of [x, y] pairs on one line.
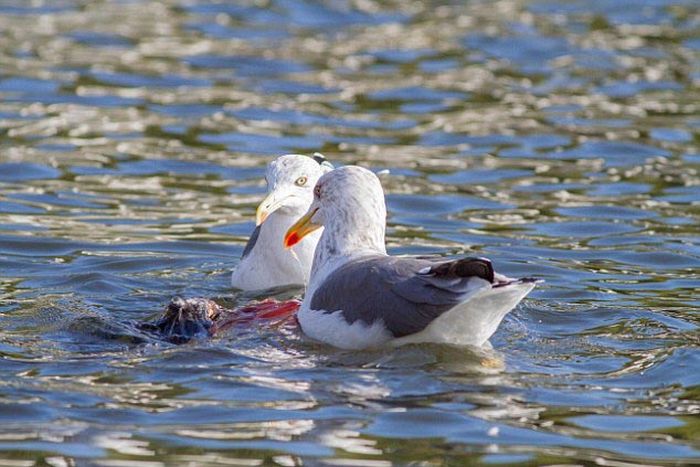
[[559, 139]]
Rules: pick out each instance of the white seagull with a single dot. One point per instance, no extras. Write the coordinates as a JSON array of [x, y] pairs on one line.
[[359, 297], [265, 262]]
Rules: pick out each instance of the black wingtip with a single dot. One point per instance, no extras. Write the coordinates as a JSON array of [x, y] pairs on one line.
[[322, 161], [466, 267], [320, 158]]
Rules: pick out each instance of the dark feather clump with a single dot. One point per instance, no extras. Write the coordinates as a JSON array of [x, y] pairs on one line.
[[464, 267], [184, 320]]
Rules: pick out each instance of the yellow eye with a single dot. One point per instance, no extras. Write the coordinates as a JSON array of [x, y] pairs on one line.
[[301, 181]]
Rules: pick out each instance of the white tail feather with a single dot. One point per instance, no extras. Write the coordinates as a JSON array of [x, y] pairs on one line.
[[473, 321]]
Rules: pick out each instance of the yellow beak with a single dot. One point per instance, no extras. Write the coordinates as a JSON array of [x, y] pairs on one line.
[[300, 229], [270, 204]]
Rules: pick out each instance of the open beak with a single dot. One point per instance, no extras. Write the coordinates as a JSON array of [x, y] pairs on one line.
[[301, 229], [270, 204]]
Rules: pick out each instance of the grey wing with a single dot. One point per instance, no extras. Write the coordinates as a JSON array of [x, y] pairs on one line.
[[407, 294], [251, 242]]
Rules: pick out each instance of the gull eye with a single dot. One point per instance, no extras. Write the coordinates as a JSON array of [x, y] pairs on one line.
[[301, 181]]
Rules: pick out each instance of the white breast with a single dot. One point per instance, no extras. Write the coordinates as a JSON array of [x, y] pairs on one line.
[[269, 264]]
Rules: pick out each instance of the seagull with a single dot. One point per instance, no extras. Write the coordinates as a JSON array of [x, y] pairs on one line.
[[359, 297], [265, 263]]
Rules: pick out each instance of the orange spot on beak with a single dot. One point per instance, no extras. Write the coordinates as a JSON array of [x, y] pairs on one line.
[[300, 229], [291, 240]]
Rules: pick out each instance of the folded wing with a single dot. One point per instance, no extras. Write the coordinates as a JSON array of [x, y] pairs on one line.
[[251, 241], [407, 294]]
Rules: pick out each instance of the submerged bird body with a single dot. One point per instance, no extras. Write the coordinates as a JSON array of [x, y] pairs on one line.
[[265, 262], [359, 296]]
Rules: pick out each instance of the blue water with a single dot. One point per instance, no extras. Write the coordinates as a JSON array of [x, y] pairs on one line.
[[560, 139]]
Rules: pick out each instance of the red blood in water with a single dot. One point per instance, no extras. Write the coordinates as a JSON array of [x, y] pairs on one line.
[[260, 312], [268, 309], [279, 309]]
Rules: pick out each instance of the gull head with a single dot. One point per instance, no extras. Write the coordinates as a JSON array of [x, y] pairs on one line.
[[349, 203], [290, 183]]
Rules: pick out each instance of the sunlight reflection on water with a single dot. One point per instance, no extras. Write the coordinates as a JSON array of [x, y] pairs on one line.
[[558, 139]]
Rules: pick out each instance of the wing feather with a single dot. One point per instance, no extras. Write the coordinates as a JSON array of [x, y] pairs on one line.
[[407, 294], [251, 242]]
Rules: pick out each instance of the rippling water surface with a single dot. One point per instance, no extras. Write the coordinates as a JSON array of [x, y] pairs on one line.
[[559, 139]]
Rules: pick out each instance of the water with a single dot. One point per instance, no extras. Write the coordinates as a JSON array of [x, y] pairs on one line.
[[559, 139]]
